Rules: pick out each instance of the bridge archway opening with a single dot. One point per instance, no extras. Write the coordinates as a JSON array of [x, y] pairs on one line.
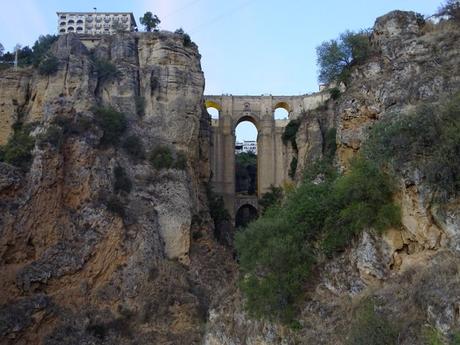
[[246, 134], [213, 109], [281, 111], [245, 214]]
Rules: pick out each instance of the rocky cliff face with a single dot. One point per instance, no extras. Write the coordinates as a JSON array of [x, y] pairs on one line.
[[79, 261], [412, 272]]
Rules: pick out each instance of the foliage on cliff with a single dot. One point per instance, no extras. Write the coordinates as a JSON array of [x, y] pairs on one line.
[[397, 142], [336, 57], [277, 252], [18, 150]]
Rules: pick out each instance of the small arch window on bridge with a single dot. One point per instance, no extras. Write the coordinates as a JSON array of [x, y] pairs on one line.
[[281, 111], [213, 109], [213, 112]]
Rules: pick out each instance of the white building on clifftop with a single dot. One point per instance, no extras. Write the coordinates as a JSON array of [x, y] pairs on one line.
[[95, 23]]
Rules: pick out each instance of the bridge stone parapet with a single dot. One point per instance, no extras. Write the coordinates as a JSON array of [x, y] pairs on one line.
[[272, 155]]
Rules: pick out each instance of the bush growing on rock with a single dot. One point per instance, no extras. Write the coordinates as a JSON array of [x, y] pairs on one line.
[[369, 328], [187, 41], [396, 142], [451, 9], [161, 158], [290, 132], [48, 65], [18, 150], [41, 48], [106, 71], [277, 252], [336, 57], [115, 205], [134, 147], [112, 122], [122, 182], [271, 198]]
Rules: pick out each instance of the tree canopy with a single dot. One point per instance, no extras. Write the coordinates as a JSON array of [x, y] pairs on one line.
[[451, 9], [335, 57], [149, 21]]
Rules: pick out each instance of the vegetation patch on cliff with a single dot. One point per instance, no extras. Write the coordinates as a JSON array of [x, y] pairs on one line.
[[18, 150], [336, 57], [113, 123], [277, 252], [396, 142]]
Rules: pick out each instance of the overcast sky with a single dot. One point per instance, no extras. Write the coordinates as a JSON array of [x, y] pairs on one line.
[[247, 46]]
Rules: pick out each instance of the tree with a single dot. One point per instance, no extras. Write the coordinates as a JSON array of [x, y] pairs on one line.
[[451, 9], [336, 57], [186, 38], [149, 21], [41, 48]]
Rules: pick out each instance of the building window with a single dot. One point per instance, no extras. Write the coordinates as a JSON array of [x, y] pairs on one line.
[[62, 23], [70, 29], [63, 17], [79, 29], [62, 31], [71, 21], [79, 21]]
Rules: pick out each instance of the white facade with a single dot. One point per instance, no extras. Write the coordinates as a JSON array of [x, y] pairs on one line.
[[95, 23], [246, 146]]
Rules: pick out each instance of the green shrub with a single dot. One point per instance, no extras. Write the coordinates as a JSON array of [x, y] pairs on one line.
[[433, 337], [271, 198], [115, 205], [451, 9], [48, 65], [187, 41], [335, 93], [427, 139], [455, 338], [139, 101], [369, 328], [361, 199], [18, 150], [161, 158], [75, 125], [290, 132], [41, 48], [277, 250], [134, 147], [112, 122], [106, 71], [336, 57], [122, 182]]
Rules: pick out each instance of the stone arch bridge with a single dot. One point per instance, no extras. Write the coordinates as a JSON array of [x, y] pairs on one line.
[[272, 155]]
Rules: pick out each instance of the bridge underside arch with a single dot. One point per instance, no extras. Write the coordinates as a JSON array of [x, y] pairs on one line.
[[245, 214], [212, 104], [282, 105]]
